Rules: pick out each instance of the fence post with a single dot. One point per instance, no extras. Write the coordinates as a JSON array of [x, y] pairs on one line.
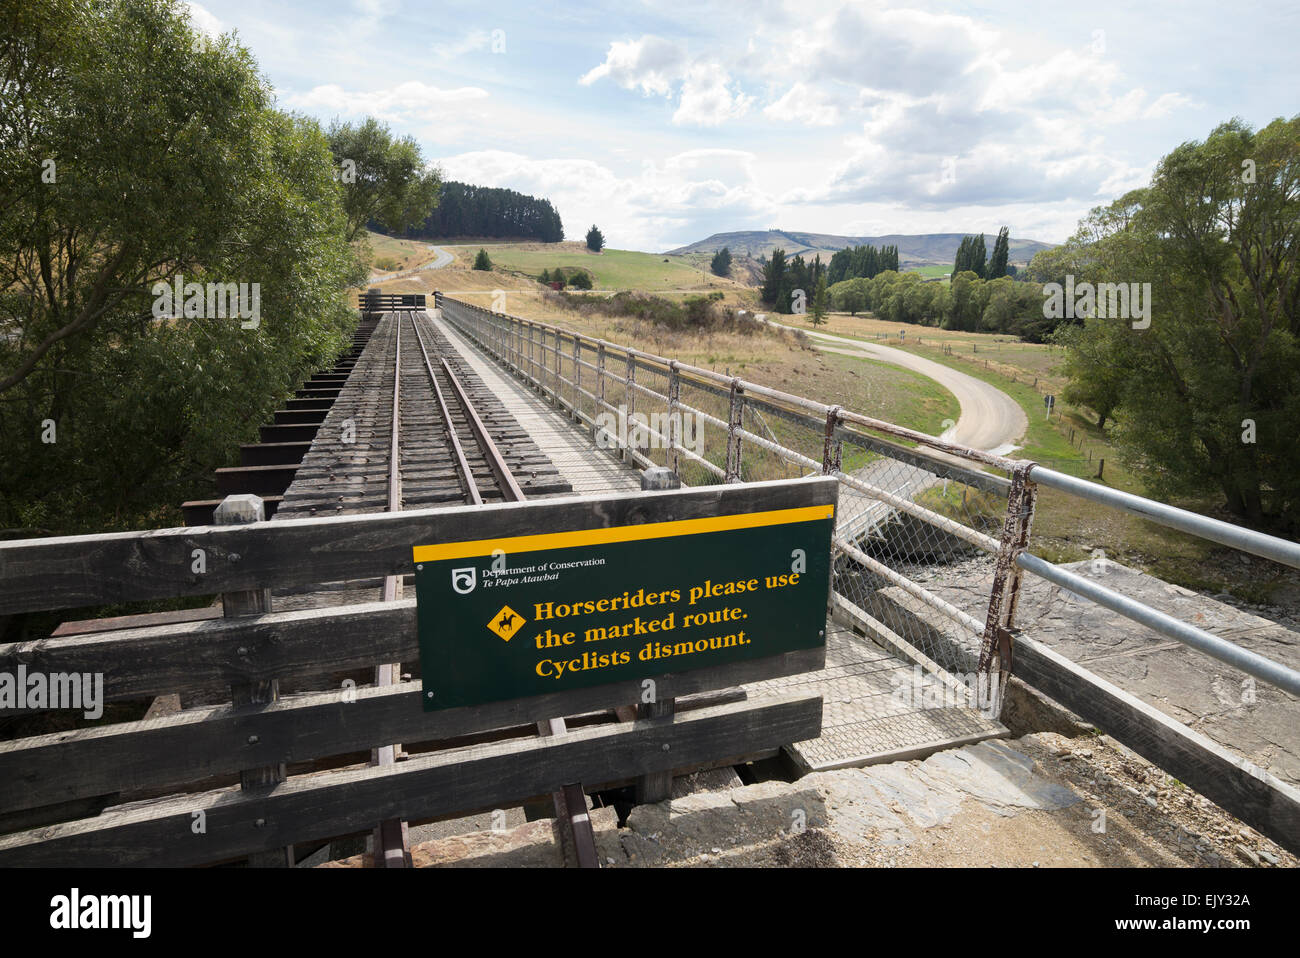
[[674, 416], [735, 413], [600, 374], [996, 646], [656, 786], [559, 371], [629, 399], [577, 376], [532, 357], [240, 510], [832, 448]]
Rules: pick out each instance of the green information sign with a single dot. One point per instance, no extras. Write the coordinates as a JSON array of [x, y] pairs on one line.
[[511, 618]]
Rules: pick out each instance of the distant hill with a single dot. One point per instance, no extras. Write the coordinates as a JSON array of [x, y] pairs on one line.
[[914, 250]]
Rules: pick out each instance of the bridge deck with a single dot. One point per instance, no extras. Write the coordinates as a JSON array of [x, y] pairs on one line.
[[589, 470]]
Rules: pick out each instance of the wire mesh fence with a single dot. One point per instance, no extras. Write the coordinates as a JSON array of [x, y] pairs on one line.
[[930, 544], [913, 509]]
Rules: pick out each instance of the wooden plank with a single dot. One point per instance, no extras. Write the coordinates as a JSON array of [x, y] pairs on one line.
[[1259, 799], [192, 656], [68, 571], [237, 824], [202, 743], [285, 433], [272, 453], [656, 786], [257, 480], [299, 417], [144, 620]]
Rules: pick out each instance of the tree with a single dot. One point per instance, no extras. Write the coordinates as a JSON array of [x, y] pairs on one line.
[[820, 302], [581, 280], [853, 298], [721, 264], [545, 277], [774, 279], [1001, 250], [970, 256], [595, 239], [557, 276], [978, 256], [1095, 380], [482, 261], [1210, 389], [169, 164], [466, 210], [383, 179]]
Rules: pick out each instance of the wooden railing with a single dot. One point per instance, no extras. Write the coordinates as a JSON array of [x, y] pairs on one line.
[[189, 764], [372, 301]]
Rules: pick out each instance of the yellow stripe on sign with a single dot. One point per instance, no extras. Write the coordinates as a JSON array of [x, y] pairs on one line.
[[600, 537]]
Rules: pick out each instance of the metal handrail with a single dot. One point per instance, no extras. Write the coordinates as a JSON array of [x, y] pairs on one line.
[[1224, 533], [800, 408]]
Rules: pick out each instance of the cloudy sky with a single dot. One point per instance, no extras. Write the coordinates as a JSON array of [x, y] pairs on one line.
[[665, 122]]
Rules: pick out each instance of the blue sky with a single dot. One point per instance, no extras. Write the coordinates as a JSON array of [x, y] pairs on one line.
[[665, 122]]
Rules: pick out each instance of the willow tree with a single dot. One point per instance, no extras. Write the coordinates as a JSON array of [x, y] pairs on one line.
[[133, 152], [1208, 393]]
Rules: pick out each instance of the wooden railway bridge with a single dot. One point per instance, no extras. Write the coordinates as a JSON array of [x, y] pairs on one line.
[[288, 714]]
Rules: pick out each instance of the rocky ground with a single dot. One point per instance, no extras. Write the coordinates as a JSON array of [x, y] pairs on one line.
[[1043, 800]]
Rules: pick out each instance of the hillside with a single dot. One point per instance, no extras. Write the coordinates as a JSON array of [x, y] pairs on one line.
[[913, 250], [611, 269]]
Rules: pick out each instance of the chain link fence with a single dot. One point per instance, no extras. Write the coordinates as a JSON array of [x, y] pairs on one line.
[[913, 509]]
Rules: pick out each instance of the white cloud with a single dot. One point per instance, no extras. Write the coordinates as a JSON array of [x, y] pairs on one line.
[[658, 67], [804, 103], [664, 204], [651, 64], [412, 101], [470, 42], [706, 99], [204, 21]]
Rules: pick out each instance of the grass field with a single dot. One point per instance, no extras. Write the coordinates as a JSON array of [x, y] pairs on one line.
[[612, 269], [1033, 360], [406, 253], [767, 358], [930, 272], [1069, 529]]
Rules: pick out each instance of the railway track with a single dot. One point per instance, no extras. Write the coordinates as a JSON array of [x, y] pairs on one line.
[[414, 428]]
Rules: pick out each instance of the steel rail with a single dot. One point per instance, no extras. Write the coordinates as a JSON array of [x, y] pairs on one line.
[[462, 464], [390, 835], [570, 801]]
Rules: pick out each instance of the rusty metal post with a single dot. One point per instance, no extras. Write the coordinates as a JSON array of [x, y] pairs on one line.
[[997, 643], [559, 371], [674, 416], [832, 448], [577, 375], [735, 414], [629, 399]]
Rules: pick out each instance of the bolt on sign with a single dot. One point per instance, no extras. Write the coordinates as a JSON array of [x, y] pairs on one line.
[[511, 618]]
